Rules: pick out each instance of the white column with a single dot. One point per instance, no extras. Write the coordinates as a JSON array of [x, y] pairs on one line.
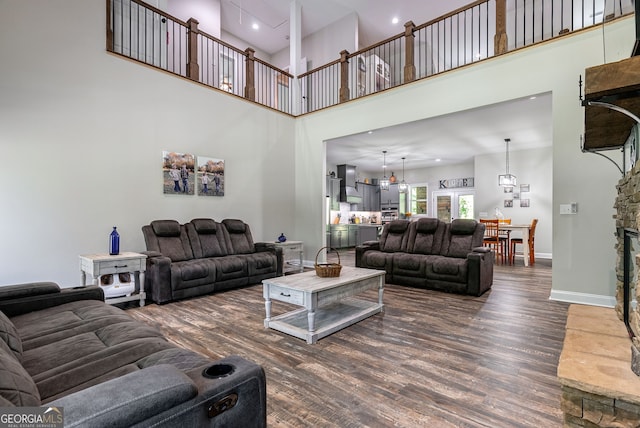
[[295, 43]]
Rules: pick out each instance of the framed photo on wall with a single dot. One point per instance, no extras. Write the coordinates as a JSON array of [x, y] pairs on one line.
[[210, 176], [508, 203], [178, 173]]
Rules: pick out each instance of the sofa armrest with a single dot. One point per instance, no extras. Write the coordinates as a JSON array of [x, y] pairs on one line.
[[23, 298], [366, 246], [28, 289], [272, 248], [162, 395], [480, 270], [128, 400], [157, 277], [150, 254]]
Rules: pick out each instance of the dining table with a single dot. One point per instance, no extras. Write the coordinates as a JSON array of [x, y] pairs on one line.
[[524, 229]]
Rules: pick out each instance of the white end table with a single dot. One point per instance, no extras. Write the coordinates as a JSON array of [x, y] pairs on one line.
[[292, 254], [102, 264]]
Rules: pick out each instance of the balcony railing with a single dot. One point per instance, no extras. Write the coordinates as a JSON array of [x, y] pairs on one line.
[[481, 30]]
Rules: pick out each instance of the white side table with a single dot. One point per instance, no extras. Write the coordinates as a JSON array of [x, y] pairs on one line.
[[293, 253], [102, 264]]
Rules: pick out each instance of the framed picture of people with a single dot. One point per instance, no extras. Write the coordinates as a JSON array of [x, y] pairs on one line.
[[178, 176], [210, 176]]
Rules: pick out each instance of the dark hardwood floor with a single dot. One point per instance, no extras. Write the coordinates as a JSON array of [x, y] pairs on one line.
[[431, 359]]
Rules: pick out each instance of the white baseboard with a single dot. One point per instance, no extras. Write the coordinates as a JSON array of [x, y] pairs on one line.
[[583, 298]]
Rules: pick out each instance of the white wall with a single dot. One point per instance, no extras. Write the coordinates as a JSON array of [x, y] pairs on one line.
[[533, 167], [82, 133], [206, 12], [583, 245], [325, 45]]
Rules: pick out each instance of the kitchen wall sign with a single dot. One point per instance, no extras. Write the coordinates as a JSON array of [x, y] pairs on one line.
[[454, 183]]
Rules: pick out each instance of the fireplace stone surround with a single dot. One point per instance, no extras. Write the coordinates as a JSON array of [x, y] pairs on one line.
[[599, 366]]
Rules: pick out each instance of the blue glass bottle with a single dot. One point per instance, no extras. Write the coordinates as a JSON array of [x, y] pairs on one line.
[[114, 242], [282, 238]]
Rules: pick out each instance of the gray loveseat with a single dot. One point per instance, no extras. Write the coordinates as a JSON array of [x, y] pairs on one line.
[[429, 253], [67, 348], [203, 256]]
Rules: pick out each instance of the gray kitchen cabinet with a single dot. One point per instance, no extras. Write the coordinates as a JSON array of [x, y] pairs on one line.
[[333, 192], [354, 233], [339, 236], [372, 197], [390, 198]]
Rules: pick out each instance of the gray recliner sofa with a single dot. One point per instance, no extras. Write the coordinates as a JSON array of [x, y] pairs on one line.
[[68, 349], [203, 256], [429, 253]]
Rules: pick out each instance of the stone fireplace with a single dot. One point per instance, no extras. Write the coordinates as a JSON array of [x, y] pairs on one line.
[[599, 387]]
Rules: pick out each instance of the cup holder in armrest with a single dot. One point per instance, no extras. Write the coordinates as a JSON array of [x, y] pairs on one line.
[[217, 371]]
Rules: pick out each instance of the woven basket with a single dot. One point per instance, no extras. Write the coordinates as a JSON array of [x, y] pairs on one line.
[[327, 270]]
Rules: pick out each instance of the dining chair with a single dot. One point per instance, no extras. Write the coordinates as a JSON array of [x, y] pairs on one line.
[[505, 239], [492, 237], [516, 241]]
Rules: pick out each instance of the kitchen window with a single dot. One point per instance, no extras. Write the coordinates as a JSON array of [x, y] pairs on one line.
[[419, 199]]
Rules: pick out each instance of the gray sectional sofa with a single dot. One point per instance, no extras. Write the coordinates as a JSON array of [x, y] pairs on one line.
[[429, 253], [203, 256], [67, 348]]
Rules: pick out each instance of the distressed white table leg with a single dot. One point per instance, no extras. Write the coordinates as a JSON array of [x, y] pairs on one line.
[[380, 293], [267, 305]]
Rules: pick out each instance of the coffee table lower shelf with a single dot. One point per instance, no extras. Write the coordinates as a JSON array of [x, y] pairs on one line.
[[328, 319]]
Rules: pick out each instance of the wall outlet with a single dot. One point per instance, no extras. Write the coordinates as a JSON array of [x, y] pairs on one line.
[[571, 208]]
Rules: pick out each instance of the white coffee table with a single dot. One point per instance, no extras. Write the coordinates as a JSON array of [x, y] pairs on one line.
[[327, 303]]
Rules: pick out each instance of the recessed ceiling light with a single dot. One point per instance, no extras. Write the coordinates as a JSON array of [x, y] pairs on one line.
[[255, 26], [532, 98], [395, 20], [370, 132], [438, 160]]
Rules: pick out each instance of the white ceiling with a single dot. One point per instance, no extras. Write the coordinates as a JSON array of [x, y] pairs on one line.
[[455, 138], [374, 16]]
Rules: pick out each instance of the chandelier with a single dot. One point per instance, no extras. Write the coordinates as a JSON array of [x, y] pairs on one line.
[[507, 180], [403, 187], [384, 183]]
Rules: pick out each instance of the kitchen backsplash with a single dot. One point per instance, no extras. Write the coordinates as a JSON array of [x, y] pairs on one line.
[[358, 217]]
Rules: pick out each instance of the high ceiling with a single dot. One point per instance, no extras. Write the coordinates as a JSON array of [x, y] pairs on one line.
[[374, 16], [527, 122]]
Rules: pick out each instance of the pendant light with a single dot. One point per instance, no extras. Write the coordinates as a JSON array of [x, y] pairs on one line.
[[507, 180], [403, 187], [384, 183]]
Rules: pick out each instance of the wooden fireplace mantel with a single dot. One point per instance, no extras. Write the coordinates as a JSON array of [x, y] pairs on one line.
[[616, 83]]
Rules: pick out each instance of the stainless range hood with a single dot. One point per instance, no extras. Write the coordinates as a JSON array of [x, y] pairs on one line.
[[348, 190]]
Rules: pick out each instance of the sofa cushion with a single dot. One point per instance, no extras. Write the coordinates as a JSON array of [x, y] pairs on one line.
[[425, 236], [9, 335], [204, 226], [460, 245], [427, 225], [234, 226], [394, 236], [239, 237], [16, 386], [206, 239], [166, 228], [462, 226]]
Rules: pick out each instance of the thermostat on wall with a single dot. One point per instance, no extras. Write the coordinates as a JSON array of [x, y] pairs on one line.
[[571, 208]]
